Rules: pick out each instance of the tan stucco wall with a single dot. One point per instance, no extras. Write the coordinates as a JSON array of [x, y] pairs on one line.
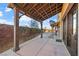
[[65, 9]]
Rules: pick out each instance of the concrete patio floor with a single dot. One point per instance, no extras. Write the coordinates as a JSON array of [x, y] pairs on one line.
[[46, 46]]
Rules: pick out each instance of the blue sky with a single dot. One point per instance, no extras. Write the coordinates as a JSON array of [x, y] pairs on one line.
[[7, 16]]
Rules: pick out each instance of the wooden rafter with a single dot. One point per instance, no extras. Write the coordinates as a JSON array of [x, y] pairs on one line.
[[47, 9], [39, 11], [46, 13], [50, 8], [39, 8], [42, 7], [24, 5], [32, 7], [55, 11]]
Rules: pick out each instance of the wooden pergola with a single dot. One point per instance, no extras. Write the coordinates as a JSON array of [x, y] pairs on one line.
[[37, 11]]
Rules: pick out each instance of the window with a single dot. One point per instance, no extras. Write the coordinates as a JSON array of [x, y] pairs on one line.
[[74, 23]]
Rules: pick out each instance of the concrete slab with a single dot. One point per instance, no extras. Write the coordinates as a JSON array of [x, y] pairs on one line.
[[9, 52], [47, 46]]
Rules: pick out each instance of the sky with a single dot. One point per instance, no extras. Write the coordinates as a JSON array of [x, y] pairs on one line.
[[7, 17]]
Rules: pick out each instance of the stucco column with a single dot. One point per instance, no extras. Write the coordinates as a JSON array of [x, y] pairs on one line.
[[16, 29], [61, 30], [41, 29]]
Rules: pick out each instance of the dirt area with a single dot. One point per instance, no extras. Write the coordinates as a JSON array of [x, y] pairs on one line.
[[6, 36]]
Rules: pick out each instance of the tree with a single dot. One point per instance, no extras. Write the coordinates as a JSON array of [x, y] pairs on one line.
[[52, 23], [34, 24]]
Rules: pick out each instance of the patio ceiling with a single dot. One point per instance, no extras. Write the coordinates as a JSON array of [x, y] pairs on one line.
[[38, 11]]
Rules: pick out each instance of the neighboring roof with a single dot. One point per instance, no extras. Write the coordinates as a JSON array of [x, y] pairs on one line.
[[38, 11]]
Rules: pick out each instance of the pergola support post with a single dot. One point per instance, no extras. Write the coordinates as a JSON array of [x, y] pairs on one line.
[[16, 29], [41, 29]]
